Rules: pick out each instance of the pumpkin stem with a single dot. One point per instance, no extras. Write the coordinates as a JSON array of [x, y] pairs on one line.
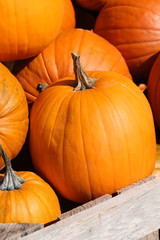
[[11, 180], [83, 81], [41, 87]]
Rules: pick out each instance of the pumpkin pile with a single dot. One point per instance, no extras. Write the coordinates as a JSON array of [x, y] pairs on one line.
[[79, 90]]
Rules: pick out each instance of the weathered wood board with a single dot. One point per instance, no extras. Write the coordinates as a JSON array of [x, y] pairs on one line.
[[131, 215], [14, 231]]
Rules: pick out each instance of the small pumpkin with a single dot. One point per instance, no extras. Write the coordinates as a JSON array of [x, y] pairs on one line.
[[55, 61], [91, 4], [13, 114], [27, 27], [25, 197], [134, 28], [154, 90], [93, 132]]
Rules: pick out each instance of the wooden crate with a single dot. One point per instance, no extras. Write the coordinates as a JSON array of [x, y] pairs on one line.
[[132, 213]]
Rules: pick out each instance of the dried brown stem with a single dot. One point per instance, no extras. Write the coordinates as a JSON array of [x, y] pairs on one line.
[[83, 81], [11, 180], [41, 87]]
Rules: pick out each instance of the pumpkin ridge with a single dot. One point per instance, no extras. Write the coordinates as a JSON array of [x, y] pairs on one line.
[[55, 57], [9, 111], [14, 206], [134, 43], [144, 56], [39, 197], [7, 197], [97, 90], [129, 28], [84, 151], [52, 129], [116, 64], [14, 4], [46, 69], [62, 155], [30, 86], [22, 193], [100, 91], [4, 194], [132, 6]]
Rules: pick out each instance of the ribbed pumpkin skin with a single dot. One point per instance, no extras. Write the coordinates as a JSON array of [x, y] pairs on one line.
[[91, 4], [13, 114], [69, 20], [92, 142], [134, 28], [35, 202], [55, 61], [154, 90], [27, 27]]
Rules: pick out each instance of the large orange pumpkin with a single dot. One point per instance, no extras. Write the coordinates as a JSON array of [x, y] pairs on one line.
[[25, 197], [69, 20], [94, 138], [13, 114], [154, 90], [134, 28], [27, 27], [55, 61], [91, 4]]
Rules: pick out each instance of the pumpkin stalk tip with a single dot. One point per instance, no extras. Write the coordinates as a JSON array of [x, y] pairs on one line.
[[83, 81], [11, 180], [41, 87]]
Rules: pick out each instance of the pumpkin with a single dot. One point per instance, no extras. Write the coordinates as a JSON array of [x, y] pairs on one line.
[[69, 20], [25, 197], [154, 90], [27, 27], [55, 61], [13, 114], [93, 137], [134, 28], [91, 4]]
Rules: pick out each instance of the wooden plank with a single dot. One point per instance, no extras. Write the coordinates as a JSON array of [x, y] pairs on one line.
[[136, 184], [13, 231], [128, 216], [151, 236], [84, 206]]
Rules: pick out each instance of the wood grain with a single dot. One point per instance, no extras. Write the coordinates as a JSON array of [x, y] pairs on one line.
[[129, 216], [84, 206], [152, 236], [13, 231]]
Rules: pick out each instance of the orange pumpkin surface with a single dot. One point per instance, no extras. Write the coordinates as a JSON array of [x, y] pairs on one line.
[[27, 27], [55, 61], [154, 90], [92, 142], [91, 4], [25, 197], [13, 114], [69, 20], [134, 28]]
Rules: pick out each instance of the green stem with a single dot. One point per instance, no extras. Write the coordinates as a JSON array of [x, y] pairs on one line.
[[83, 81], [11, 180]]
